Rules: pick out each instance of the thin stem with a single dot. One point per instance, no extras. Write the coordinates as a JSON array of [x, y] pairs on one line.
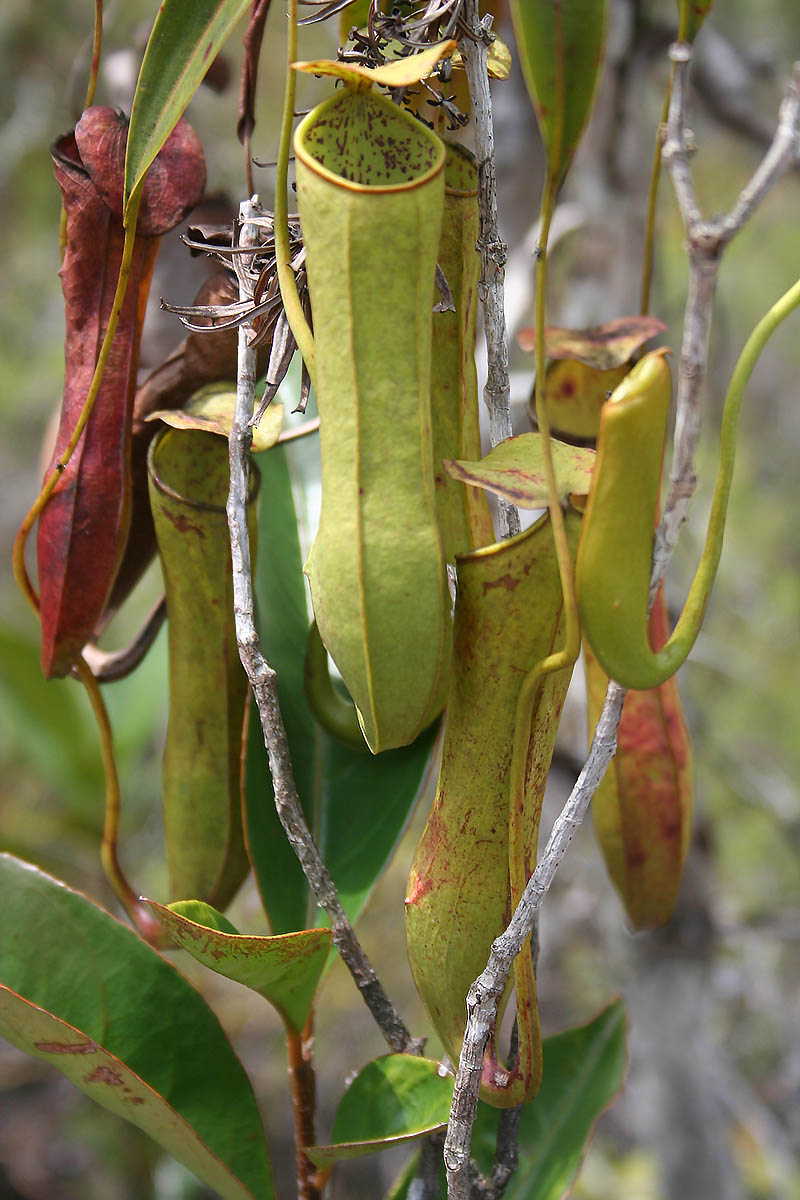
[[286, 281], [144, 921], [652, 201], [706, 241], [493, 250], [303, 1089], [484, 995], [97, 45], [569, 653], [20, 542], [263, 681], [248, 164], [107, 666], [686, 629]]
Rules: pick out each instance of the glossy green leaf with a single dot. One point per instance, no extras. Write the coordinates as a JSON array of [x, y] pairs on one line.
[[356, 803], [692, 15], [137, 1023], [584, 1068], [394, 1099], [285, 970], [111, 1083], [183, 43], [560, 44], [515, 470]]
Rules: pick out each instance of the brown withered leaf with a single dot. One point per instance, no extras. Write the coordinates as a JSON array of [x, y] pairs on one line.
[[265, 311], [253, 37], [602, 346]]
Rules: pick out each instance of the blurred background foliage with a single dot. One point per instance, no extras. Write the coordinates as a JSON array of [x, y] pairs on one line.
[[712, 1106]]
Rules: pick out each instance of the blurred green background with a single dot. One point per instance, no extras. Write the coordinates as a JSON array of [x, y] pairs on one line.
[[712, 1107]]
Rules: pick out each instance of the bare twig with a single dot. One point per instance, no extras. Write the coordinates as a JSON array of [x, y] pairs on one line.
[[497, 392], [706, 241], [485, 993], [107, 666], [303, 1086], [506, 1157], [263, 682]]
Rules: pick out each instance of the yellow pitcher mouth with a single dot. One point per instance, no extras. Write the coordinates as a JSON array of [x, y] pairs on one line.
[[399, 154]]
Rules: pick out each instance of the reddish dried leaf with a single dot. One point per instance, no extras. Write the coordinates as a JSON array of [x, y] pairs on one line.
[[83, 528], [643, 807], [253, 37], [602, 346], [175, 181]]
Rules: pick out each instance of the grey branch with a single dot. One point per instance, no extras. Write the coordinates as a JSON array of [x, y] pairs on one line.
[[484, 995], [264, 683], [497, 393], [706, 241]]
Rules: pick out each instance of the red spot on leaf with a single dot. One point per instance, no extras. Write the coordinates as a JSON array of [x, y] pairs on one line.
[[66, 1047], [104, 1074]]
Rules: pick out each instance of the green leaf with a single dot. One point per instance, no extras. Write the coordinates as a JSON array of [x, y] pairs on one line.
[[183, 43], [357, 804], [515, 469], [110, 1082], [83, 979], [584, 1068], [197, 911], [560, 44], [285, 970], [394, 1099], [692, 15]]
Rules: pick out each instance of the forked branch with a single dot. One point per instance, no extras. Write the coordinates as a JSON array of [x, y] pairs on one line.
[[706, 242]]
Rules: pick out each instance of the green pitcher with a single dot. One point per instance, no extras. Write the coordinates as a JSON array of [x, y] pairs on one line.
[[202, 773], [370, 189]]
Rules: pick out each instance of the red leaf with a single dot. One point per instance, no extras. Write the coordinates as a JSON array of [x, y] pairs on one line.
[[83, 528]]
